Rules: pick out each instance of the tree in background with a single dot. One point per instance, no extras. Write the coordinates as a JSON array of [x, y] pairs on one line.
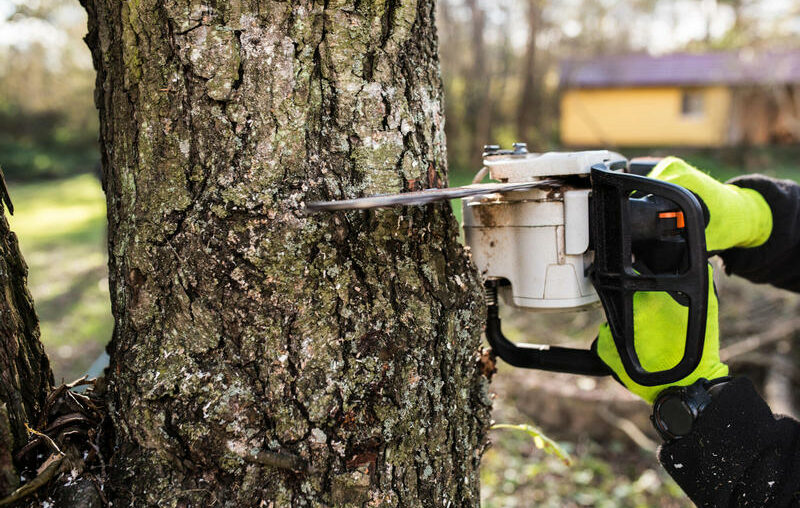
[[261, 355], [529, 108], [47, 126]]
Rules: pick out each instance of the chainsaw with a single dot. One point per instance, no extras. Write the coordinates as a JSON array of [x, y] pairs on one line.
[[562, 231]]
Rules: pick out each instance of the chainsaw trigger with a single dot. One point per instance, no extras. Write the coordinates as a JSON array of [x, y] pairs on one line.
[[678, 216]]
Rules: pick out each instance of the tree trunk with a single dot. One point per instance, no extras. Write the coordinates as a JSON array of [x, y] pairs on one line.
[[478, 109], [262, 357], [25, 375], [528, 111]]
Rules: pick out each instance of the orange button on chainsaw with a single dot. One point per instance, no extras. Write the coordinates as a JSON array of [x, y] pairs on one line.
[[678, 216]]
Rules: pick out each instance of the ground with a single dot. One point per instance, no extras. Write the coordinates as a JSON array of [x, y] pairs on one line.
[[61, 226]]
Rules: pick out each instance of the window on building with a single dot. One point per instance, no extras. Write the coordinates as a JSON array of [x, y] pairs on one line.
[[692, 103]]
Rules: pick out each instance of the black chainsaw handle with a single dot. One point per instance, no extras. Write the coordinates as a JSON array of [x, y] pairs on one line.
[[535, 356], [618, 221], [616, 280]]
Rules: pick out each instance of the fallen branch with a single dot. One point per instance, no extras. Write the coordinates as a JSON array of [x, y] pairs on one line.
[[768, 361], [84, 380], [32, 486], [629, 428], [68, 419], [781, 331], [778, 390], [47, 439]]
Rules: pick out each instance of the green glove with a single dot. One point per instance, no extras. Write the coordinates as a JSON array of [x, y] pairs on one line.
[[738, 217], [659, 331]]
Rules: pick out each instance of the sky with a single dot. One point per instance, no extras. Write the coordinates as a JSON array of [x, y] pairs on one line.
[[60, 31]]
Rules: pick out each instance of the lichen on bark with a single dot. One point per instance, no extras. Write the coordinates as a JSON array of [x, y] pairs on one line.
[[261, 354]]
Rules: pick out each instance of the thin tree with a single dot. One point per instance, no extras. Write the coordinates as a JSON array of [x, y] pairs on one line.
[[529, 108], [477, 96]]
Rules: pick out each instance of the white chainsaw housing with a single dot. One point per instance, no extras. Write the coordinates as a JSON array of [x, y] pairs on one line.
[[538, 240]]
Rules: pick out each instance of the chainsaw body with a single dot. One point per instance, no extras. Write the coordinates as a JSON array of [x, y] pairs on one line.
[[598, 236], [537, 240]]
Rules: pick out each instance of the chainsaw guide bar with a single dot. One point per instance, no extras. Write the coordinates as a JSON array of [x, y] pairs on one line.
[[424, 197]]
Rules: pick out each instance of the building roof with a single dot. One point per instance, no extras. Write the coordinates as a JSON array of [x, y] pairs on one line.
[[744, 67]]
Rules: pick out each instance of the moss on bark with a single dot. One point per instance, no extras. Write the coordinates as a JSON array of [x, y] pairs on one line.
[[259, 354]]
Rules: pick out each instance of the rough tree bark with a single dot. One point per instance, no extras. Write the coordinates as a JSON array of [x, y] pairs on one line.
[[25, 375], [262, 357]]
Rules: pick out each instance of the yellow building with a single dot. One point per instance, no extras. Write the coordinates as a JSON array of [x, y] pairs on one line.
[[711, 99]]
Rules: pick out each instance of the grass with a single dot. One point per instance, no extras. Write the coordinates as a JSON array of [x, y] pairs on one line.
[[61, 229]]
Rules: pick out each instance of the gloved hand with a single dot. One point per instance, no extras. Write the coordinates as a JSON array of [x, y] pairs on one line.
[[738, 217], [659, 334]]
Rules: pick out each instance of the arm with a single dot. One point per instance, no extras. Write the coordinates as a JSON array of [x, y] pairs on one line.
[[738, 453], [776, 261]]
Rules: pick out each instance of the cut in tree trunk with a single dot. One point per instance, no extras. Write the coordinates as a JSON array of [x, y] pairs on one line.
[[262, 357], [25, 375]]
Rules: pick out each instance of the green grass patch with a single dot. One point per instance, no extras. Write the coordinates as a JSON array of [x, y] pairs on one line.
[[63, 213], [61, 228]]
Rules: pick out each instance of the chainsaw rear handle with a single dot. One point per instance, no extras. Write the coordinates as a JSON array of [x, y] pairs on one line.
[[616, 279], [621, 218]]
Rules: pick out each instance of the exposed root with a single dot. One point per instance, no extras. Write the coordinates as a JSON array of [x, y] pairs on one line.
[[72, 434], [37, 483]]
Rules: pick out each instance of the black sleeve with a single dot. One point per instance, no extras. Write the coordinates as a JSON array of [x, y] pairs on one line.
[[775, 262], [738, 454]]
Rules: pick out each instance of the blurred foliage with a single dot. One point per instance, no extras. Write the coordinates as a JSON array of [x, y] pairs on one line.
[[500, 59], [48, 123], [61, 229]]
